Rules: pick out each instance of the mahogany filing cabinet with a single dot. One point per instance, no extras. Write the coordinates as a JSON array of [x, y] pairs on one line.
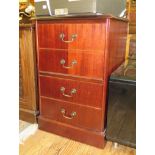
[[76, 56]]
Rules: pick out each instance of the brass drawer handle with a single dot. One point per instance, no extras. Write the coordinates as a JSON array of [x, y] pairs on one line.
[[73, 91], [62, 62], [72, 115], [73, 37]]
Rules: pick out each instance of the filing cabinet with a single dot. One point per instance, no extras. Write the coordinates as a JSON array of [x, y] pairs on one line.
[[75, 59]]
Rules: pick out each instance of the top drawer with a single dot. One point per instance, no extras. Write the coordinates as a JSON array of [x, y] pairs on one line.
[[83, 36]]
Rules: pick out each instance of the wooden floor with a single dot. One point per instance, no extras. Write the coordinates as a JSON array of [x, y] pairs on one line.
[[43, 143]]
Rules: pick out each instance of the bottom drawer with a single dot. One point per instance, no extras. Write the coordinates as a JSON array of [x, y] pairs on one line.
[[89, 118]]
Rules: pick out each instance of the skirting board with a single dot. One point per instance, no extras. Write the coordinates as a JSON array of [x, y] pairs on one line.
[[30, 130]]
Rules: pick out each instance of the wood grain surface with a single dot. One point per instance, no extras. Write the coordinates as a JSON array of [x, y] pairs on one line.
[[87, 34], [89, 63], [85, 91], [88, 118], [43, 143], [28, 80], [99, 48], [116, 45]]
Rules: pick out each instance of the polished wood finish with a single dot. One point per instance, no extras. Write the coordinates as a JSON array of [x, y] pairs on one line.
[[116, 44], [89, 64], [45, 143], [51, 109], [99, 48], [87, 34], [83, 18], [85, 91], [27, 81], [72, 132]]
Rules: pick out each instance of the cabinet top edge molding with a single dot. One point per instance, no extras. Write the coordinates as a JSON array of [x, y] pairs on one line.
[[79, 17]]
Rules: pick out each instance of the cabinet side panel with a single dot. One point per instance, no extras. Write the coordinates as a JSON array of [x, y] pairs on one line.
[[117, 44], [116, 35]]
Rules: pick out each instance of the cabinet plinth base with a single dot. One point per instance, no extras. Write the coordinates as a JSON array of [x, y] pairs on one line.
[[85, 136]]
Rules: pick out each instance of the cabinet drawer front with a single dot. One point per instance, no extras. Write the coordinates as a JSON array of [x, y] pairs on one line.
[[72, 114], [72, 62], [84, 36], [71, 90]]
